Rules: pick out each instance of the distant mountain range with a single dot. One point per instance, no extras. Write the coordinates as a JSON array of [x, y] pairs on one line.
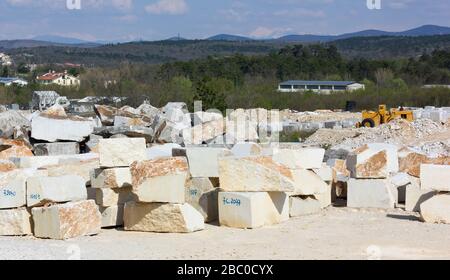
[[51, 40]]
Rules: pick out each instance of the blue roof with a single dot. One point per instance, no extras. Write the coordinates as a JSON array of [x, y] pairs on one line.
[[317, 83], [8, 80]]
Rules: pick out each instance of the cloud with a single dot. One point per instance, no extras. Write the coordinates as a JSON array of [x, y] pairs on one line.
[[267, 32], [171, 7], [300, 12]]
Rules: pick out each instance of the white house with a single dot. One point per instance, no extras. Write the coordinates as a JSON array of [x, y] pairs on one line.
[[323, 87], [13, 81], [61, 79]]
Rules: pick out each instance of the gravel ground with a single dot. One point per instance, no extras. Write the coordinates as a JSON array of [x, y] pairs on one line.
[[336, 233]]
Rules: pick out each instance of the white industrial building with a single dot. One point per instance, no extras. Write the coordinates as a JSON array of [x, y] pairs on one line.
[[324, 87], [6, 81]]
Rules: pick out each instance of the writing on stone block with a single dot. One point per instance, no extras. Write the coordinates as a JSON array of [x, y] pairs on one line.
[[35, 196], [7, 192], [231, 201], [193, 192]]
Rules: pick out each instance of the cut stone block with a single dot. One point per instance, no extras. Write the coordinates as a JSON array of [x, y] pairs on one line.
[[112, 197], [46, 161], [121, 152], [112, 216], [82, 169], [7, 165], [304, 158], [435, 177], [436, 209], [161, 151], [198, 134], [120, 121], [56, 149], [308, 183], [415, 196], [202, 195], [302, 206], [375, 160], [252, 210], [53, 128], [204, 162], [254, 174], [68, 220], [247, 150], [325, 199], [15, 222], [111, 178], [325, 173], [363, 193], [42, 190], [162, 217], [160, 180], [13, 188]]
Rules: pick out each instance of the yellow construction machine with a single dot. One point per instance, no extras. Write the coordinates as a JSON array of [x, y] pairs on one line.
[[373, 119]]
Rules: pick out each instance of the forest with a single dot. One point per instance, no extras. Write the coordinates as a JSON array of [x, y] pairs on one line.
[[246, 81]]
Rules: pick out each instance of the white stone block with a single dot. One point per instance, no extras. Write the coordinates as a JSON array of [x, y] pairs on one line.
[[112, 197], [252, 209], [111, 178], [162, 217], [204, 162], [416, 196], [161, 151], [112, 216], [325, 172], [247, 149], [435, 177], [308, 183], [365, 193], [302, 206], [121, 152], [202, 195], [68, 220], [52, 129], [41, 190], [436, 209], [160, 180]]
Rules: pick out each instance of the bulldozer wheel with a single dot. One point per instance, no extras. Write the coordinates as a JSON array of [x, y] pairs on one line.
[[368, 123]]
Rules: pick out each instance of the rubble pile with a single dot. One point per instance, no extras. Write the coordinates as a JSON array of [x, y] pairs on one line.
[[170, 171]]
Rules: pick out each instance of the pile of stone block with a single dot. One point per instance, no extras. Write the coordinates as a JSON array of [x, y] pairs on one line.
[[112, 181]]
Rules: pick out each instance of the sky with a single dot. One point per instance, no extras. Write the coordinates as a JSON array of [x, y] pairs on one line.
[[128, 20]]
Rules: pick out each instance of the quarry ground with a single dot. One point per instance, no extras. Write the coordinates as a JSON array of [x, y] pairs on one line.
[[335, 233]]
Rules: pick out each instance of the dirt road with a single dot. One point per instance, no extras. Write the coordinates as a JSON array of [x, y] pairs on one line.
[[336, 233]]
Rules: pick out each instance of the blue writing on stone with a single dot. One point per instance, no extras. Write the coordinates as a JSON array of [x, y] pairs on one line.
[[231, 201], [9, 193]]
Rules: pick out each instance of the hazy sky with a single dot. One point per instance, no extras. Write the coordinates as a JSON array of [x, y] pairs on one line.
[[160, 19]]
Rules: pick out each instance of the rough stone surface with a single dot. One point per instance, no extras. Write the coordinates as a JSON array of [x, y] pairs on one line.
[[254, 174], [14, 148], [82, 169], [373, 161], [162, 217], [111, 178], [204, 162], [302, 206], [56, 149], [364, 193], [252, 209], [15, 222], [435, 177], [42, 190], [325, 199], [7, 165], [436, 209], [410, 162], [112, 197], [68, 220], [160, 180], [202, 195], [112, 216], [121, 152], [305, 158]]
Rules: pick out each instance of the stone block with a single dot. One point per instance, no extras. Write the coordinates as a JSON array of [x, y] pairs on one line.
[[365, 193], [111, 178], [56, 149], [435, 177], [121, 152], [112, 216], [303, 206], [202, 195], [112, 197], [204, 162], [436, 209], [15, 222], [304, 158]]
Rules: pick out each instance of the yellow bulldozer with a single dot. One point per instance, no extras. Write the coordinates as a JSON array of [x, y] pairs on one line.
[[373, 119]]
